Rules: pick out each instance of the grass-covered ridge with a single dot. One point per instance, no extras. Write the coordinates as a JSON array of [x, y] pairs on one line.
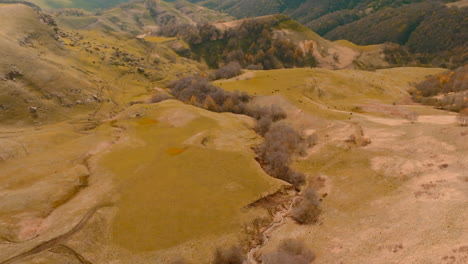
[[77, 73], [83, 4]]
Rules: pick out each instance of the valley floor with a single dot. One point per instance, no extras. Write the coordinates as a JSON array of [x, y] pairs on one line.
[[168, 180]]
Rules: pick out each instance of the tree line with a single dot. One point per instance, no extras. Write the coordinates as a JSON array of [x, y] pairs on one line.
[[448, 90], [253, 44]]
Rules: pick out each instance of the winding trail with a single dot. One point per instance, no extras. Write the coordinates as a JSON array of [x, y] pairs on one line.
[[57, 240], [278, 220]]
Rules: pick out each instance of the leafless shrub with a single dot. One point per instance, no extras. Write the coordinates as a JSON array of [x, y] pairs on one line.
[[255, 67], [229, 70], [290, 252], [231, 255], [266, 116], [448, 90], [196, 90], [308, 210], [463, 117], [159, 97], [281, 143]]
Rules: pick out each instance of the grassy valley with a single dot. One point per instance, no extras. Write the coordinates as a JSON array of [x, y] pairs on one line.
[[167, 132]]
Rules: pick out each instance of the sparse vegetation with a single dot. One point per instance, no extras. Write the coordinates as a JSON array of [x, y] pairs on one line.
[[308, 210], [448, 90], [199, 92], [229, 70], [463, 117], [290, 251], [275, 154]]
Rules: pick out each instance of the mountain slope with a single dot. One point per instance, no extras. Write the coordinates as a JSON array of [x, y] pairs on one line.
[[272, 42], [141, 16], [47, 74], [83, 4], [430, 28]]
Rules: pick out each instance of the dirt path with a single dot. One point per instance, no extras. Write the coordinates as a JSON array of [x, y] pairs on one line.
[[57, 240]]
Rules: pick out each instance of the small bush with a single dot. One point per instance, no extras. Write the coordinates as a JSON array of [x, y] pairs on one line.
[[463, 117], [309, 209], [229, 70], [196, 91], [255, 67], [266, 116], [290, 252], [232, 255], [281, 143]]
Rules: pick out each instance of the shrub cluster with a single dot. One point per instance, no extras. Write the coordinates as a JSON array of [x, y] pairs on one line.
[[229, 70], [275, 154], [200, 92], [253, 43], [290, 251], [448, 90], [309, 209]]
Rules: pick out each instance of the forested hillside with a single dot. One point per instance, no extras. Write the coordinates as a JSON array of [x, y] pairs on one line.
[[431, 29]]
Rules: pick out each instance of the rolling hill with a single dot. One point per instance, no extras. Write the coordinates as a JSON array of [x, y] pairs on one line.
[[141, 16], [166, 132], [48, 74], [82, 4]]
